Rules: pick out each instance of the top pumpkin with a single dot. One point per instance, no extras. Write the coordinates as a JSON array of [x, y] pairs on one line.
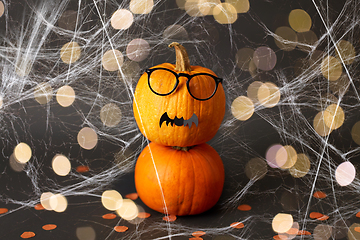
[[179, 105]]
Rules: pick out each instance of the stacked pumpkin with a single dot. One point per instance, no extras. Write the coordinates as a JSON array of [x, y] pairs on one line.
[[179, 108]]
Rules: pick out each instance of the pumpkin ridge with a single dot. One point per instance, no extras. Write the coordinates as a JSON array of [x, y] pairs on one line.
[[194, 185]]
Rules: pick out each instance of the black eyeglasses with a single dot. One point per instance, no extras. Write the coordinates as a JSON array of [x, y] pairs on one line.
[[200, 88]]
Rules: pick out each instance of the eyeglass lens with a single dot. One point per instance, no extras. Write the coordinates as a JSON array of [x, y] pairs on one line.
[[200, 86]]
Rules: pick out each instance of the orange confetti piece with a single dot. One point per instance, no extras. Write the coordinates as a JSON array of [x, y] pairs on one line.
[[244, 207], [27, 235], [132, 196], [323, 218], [358, 215], [280, 237], [39, 207], [293, 231], [143, 215], [303, 232], [316, 215], [237, 225], [82, 169], [48, 227], [109, 216], [121, 228], [169, 218], [319, 194], [3, 210], [357, 229], [198, 233]]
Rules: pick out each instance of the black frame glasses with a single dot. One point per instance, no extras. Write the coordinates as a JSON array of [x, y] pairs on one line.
[[189, 77]]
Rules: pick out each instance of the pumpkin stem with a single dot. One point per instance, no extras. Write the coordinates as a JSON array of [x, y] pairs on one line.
[[182, 58], [185, 149]]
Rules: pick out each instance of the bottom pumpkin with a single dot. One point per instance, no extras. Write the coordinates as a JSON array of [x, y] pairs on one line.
[[179, 182]]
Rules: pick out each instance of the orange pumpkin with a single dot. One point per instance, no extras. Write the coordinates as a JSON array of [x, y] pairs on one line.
[[179, 181], [174, 106]]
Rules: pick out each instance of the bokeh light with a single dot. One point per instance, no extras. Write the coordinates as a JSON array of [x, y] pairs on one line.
[[253, 90], [111, 200], [65, 96], [301, 167], [128, 210], [16, 165], [141, 6], [287, 38], [355, 132], [322, 232], [85, 233], [345, 173], [243, 58], [58, 203], [43, 93], [45, 200], [242, 108], [334, 116], [282, 222], [264, 58], [110, 114], [122, 19], [68, 20], [307, 40], [300, 20], [112, 60], [2, 8], [268, 95], [70, 52], [346, 50], [319, 125], [175, 31], [291, 157], [225, 13], [87, 138], [241, 6], [61, 165], [276, 156], [137, 50], [256, 169], [22, 152], [331, 68]]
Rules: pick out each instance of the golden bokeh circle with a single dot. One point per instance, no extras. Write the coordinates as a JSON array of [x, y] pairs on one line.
[[22, 152], [87, 138], [2, 8], [282, 222], [61, 165], [110, 115], [242, 108], [346, 50], [43, 93], [45, 200], [301, 167], [300, 20], [331, 68], [355, 133], [241, 6], [252, 91], [111, 200], [141, 6], [206, 6], [287, 38], [268, 95], [291, 157], [322, 232], [334, 116], [112, 60], [65, 96], [70, 52], [307, 41], [128, 210], [352, 233], [58, 202], [319, 125], [243, 58], [122, 19], [256, 169], [225, 13], [192, 8]]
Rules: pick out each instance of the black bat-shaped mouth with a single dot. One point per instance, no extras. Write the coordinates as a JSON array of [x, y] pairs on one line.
[[179, 121]]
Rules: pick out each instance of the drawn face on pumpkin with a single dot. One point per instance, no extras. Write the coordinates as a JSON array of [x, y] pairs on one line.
[[179, 108]]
